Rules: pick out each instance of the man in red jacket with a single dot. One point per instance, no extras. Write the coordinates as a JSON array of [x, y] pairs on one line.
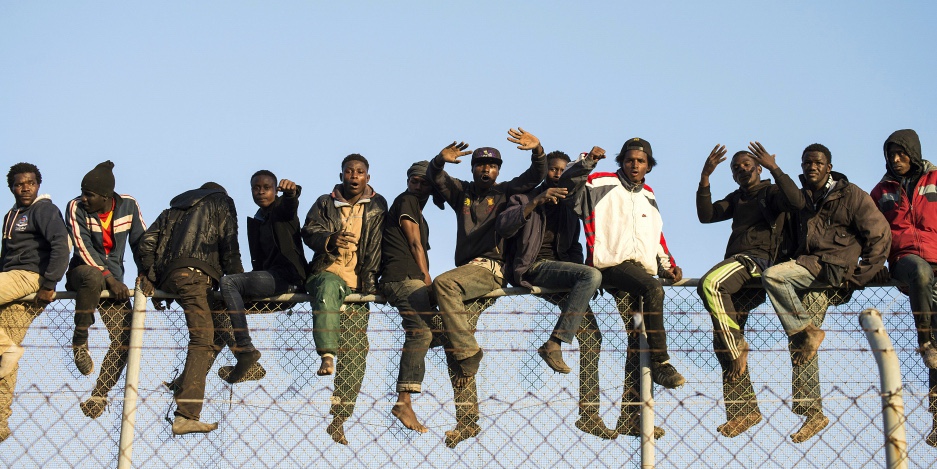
[[907, 196]]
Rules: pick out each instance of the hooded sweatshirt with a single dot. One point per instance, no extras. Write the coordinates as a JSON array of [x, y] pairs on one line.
[[35, 239], [911, 214]]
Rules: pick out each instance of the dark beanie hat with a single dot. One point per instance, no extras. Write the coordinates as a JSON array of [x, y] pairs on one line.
[[418, 169], [100, 180]]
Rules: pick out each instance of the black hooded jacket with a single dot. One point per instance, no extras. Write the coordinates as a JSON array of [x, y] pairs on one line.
[[199, 230]]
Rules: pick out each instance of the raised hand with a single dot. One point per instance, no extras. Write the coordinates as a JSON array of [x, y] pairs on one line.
[[596, 154], [762, 157], [716, 156], [524, 139], [287, 187], [454, 151]]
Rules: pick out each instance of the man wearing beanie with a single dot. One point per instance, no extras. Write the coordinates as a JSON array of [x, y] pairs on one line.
[[910, 181], [838, 225], [100, 224], [626, 242], [33, 258], [185, 252], [344, 229], [479, 254], [407, 285]]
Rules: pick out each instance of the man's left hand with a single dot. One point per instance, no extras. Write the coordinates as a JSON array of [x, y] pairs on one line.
[[45, 296], [118, 289], [524, 140], [287, 187]]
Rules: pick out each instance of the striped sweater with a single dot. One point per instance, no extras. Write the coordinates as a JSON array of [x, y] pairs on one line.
[[84, 230]]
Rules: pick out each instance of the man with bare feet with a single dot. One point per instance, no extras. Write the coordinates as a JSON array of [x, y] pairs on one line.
[[758, 210], [406, 284], [838, 224], [479, 254], [344, 230]]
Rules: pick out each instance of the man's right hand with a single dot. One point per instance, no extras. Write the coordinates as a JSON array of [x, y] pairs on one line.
[[716, 156], [44, 296], [145, 285], [596, 154], [342, 240], [454, 151], [117, 288], [765, 159], [552, 195]]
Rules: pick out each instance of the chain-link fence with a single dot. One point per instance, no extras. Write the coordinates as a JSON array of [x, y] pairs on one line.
[[528, 413]]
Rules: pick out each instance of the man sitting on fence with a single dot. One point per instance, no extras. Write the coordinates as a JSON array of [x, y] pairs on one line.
[[185, 252], [911, 181], [344, 228], [758, 212], [838, 224], [33, 258], [479, 253], [278, 262], [100, 224], [543, 249], [625, 241]]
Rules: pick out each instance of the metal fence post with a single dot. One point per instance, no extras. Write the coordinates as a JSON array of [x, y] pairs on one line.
[[896, 443], [132, 380], [647, 397]]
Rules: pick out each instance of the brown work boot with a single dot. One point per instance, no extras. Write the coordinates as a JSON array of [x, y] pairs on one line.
[[94, 407], [594, 425], [460, 433], [552, 354]]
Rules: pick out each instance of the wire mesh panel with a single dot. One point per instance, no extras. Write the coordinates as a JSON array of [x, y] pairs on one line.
[[528, 413]]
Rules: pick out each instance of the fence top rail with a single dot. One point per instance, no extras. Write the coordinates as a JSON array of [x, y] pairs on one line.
[[358, 298]]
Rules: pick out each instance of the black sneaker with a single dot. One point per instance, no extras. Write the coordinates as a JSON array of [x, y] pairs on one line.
[[666, 375], [94, 407], [83, 360]]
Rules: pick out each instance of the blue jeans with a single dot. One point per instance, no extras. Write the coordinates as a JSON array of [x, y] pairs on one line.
[[257, 284], [918, 274], [781, 282], [412, 299], [452, 289], [582, 281]]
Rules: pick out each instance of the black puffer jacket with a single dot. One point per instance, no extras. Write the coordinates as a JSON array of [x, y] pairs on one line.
[[198, 230], [325, 219]]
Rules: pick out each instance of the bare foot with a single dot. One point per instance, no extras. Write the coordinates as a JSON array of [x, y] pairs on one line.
[[336, 430], [404, 412], [736, 426], [461, 381], [812, 338], [461, 433], [327, 367], [811, 427], [738, 366]]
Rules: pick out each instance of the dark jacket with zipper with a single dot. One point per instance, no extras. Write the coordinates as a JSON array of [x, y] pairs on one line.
[[286, 258], [751, 221], [524, 236], [35, 240], [324, 220], [198, 230], [839, 229]]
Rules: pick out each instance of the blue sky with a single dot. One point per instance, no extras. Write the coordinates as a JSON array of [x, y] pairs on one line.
[[179, 93]]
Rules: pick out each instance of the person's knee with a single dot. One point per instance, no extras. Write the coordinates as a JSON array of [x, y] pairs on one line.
[[592, 278], [445, 286], [228, 285], [85, 276]]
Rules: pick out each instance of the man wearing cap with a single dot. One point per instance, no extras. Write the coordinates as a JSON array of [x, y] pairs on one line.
[[838, 225], [33, 258], [100, 223], [185, 252], [344, 229], [626, 242], [479, 254], [907, 196], [407, 285], [543, 250], [278, 262]]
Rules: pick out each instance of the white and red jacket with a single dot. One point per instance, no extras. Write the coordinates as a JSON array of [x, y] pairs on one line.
[[621, 220]]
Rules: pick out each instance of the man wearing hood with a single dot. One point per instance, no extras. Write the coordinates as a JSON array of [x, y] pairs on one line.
[[543, 249], [907, 196], [186, 251], [100, 224], [838, 226], [33, 258], [757, 210], [344, 230], [479, 253]]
